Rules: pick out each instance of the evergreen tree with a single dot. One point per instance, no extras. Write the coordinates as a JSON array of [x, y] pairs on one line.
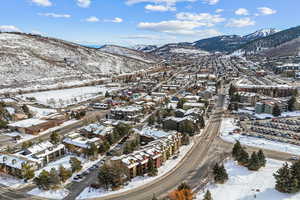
[[92, 151], [183, 186], [208, 196], [54, 138], [285, 181], [220, 174], [236, 150], [276, 110], [261, 158], [254, 163], [104, 176], [243, 158], [42, 181], [231, 90], [295, 171], [201, 122]]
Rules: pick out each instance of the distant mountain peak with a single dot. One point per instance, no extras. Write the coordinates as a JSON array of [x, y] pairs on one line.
[[261, 33]]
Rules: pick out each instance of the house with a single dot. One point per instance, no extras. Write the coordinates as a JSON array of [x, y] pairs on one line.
[[96, 130], [13, 164], [33, 126], [127, 113], [158, 151], [78, 144], [248, 98], [44, 152]]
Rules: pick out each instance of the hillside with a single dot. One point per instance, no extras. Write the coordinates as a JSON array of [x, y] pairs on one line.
[[273, 43], [178, 49], [27, 60], [130, 53]]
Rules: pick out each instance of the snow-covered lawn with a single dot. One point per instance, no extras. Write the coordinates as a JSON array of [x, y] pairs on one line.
[[244, 184], [11, 181], [138, 181], [228, 126], [50, 194], [64, 97]]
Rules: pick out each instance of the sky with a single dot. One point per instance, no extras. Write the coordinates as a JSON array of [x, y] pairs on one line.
[[132, 22]]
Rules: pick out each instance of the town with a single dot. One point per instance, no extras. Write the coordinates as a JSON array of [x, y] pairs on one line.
[[194, 115]]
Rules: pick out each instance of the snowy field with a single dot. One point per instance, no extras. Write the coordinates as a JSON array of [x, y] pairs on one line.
[[228, 126], [64, 97], [50, 194], [244, 184], [138, 181], [41, 112]]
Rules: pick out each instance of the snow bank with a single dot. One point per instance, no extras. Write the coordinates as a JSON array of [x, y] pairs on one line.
[[50, 194], [243, 184], [228, 126]]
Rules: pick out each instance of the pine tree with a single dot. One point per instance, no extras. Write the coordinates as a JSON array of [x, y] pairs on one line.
[[254, 163], [208, 196], [243, 158], [261, 158], [276, 110], [27, 172], [236, 151], [220, 174], [295, 171], [151, 120], [43, 180], [283, 179]]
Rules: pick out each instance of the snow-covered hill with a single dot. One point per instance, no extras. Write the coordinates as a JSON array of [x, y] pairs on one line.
[[130, 53], [145, 48], [33, 60], [260, 33]]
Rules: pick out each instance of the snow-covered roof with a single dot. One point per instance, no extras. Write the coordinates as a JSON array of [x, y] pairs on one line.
[[13, 161], [154, 133], [27, 123]]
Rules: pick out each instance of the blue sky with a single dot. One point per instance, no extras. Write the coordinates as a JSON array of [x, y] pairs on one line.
[[130, 22]]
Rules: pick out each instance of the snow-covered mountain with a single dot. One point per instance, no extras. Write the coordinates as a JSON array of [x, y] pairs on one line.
[[282, 43], [130, 53], [182, 49], [261, 33], [145, 48], [33, 60]]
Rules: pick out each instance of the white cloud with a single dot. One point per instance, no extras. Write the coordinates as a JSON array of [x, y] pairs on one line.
[[55, 15], [9, 28], [160, 8], [211, 2], [115, 20], [204, 17], [242, 11], [177, 27], [266, 11], [169, 2], [219, 10], [92, 19], [159, 5], [45, 3], [241, 22], [84, 3]]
